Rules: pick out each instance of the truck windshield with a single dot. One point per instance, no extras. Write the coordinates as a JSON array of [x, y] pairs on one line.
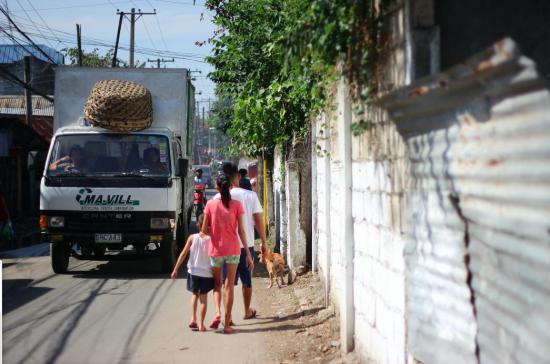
[[121, 155]]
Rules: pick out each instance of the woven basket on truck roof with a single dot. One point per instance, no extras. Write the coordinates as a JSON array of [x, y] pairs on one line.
[[119, 105]]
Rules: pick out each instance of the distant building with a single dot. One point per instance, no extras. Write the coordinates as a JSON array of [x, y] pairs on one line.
[[42, 74], [10, 53], [23, 146]]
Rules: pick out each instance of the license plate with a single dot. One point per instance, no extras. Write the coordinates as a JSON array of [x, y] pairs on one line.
[[108, 238]]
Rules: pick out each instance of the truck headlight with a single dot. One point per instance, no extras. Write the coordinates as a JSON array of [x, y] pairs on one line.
[[159, 222], [57, 221]]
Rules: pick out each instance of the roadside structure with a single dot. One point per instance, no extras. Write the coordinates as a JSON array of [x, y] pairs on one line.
[[429, 228]]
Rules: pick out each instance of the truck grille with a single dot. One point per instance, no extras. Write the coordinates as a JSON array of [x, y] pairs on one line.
[[106, 221]]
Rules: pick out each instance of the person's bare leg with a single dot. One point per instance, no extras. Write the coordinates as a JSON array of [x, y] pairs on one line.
[[247, 299], [217, 273], [203, 299], [194, 307], [228, 296]]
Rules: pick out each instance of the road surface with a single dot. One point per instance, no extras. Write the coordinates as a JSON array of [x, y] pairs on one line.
[[110, 312]]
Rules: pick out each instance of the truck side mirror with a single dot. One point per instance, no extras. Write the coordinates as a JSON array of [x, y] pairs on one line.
[[182, 167]]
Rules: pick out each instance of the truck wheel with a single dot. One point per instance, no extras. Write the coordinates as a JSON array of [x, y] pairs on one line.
[[168, 256], [182, 229], [99, 251], [86, 251], [189, 213], [59, 253]]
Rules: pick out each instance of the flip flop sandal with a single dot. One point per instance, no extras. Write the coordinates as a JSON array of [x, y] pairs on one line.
[[215, 323], [252, 315], [193, 325]]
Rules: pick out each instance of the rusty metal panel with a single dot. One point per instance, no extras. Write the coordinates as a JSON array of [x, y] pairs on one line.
[[15, 105], [479, 139]]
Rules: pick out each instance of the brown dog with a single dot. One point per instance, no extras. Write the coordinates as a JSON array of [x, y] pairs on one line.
[[275, 265]]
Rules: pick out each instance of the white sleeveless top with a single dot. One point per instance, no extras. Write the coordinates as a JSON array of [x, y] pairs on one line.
[[199, 261]]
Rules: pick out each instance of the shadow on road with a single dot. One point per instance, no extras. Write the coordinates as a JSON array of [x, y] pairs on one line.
[[17, 293], [133, 269]]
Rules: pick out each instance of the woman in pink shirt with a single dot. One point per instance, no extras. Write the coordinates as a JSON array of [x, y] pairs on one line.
[[222, 216]]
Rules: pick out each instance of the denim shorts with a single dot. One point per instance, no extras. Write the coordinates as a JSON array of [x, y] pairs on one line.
[[243, 272], [218, 262]]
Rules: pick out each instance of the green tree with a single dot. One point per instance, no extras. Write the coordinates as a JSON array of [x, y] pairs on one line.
[[95, 59], [276, 59]]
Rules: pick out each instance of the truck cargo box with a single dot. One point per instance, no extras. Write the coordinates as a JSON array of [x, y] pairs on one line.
[[167, 86]]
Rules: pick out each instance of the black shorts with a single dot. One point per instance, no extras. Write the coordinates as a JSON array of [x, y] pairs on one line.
[[198, 284]]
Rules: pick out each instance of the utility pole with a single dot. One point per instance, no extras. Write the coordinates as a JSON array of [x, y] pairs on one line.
[[79, 43], [132, 35], [159, 60], [134, 16], [121, 15], [28, 94]]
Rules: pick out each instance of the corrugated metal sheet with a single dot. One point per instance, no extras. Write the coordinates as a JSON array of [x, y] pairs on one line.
[[479, 132], [15, 105], [12, 53]]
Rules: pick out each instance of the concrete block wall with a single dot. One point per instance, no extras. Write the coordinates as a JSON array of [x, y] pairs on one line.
[[379, 170]]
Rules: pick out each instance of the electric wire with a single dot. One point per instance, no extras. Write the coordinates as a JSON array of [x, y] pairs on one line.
[[25, 35], [68, 38], [42, 19], [28, 17], [16, 80], [159, 27], [146, 28]]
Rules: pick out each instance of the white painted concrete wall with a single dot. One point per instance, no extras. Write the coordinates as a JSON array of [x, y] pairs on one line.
[[374, 203], [280, 218]]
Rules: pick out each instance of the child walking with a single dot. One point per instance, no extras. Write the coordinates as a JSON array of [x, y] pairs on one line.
[[200, 279], [222, 218]]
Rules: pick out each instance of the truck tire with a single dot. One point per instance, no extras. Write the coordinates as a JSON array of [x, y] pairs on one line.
[[168, 256], [59, 253], [99, 251], [182, 229]]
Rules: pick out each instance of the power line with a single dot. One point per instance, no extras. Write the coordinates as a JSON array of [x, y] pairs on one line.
[[43, 21], [25, 35], [161, 33], [69, 38], [176, 2], [79, 6], [114, 6], [145, 25], [158, 26], [28, 17], [16, 80]]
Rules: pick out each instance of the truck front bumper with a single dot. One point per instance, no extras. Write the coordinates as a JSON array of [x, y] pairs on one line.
[[89, 238]]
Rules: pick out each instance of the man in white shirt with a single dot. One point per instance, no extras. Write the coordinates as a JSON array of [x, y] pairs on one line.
[[253, 216]]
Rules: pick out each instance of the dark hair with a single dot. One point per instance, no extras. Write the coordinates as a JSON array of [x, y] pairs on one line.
[[243, 172], [229, 169], [151, 150], [200, 219], [76, 148], [223, 183]]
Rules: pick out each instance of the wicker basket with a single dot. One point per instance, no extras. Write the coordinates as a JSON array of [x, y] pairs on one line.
[[119, 105]]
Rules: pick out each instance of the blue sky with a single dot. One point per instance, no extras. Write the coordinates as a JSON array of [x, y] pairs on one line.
[[176, 27]]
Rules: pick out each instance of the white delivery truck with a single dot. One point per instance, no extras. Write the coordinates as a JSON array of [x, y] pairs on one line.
[[109, 204]]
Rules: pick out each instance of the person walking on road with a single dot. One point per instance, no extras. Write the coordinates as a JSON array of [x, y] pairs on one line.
[[200, 279], [253, 216], [244, 182], [223, 218]]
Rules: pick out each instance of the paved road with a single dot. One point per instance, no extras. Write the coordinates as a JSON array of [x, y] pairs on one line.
[[109, 312]]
